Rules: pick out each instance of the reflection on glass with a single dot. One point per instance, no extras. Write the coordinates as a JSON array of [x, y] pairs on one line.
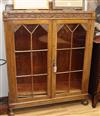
[[63, 37], [22, 39], [23, 34], [40, 37]]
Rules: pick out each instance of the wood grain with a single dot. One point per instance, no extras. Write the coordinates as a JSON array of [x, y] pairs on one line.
[[64, 109]]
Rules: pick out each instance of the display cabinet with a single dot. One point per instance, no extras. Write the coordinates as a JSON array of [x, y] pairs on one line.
[[48, 56], [94, 85]]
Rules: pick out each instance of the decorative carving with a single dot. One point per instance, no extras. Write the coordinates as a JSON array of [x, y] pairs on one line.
[[46, 14]]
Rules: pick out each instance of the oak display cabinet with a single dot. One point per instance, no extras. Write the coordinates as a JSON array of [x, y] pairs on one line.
[[48, 56]]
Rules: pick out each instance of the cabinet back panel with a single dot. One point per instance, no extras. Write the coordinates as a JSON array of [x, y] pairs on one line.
[[24, 87], [23, 63], [40, 85], [77, 59], [39, 62], [76, 81], [62, 83], [79, 36], [40, 37], [63, 60]]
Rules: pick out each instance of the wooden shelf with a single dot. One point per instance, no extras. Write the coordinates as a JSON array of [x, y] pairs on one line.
[[24, 51], [45, 74], [71, 48], [31, 95]]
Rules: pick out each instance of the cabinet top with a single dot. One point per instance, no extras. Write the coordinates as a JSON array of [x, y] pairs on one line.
[[10, 14]]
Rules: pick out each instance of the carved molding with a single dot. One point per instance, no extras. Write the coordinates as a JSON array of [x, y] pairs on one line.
[[10, 14], [47, 15]]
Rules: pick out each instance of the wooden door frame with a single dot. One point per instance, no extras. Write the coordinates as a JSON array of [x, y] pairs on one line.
[[10, 46], [88, 56], [10, 61], [88, 50]]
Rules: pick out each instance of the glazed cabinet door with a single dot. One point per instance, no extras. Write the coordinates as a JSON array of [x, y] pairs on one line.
[[32, 59], [68, 57]]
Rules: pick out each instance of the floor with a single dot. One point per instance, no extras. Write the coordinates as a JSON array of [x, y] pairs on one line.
[[63, 109]]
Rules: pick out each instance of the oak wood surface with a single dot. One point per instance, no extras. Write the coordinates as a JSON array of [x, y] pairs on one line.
[[63, 109]]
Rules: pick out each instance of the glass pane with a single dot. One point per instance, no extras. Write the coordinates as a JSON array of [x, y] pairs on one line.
[[79, 36], [63, 37], [39, 62], [75, 81], [31, 27], [23, 63], [24, 87], [62, 83], [40, 37], [63, 60], [77, 59], [40, 85], [22, 39], [72, 27]]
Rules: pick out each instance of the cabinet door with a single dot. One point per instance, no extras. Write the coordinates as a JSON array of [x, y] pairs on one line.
[[32, 59], [68, 57]]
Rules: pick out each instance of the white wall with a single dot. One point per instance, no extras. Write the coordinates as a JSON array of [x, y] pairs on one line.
[[3, 69]]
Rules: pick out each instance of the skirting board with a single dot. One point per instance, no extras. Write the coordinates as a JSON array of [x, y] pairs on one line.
[[3, 105]]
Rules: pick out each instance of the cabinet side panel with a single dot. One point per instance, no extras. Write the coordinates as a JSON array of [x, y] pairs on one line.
[[87, 56], [10, 61]]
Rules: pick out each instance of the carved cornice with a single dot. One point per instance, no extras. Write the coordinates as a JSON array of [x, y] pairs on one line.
[[47, 14]]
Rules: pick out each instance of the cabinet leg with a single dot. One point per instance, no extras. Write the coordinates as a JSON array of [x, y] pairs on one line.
[[10, 112], [85, 102]]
